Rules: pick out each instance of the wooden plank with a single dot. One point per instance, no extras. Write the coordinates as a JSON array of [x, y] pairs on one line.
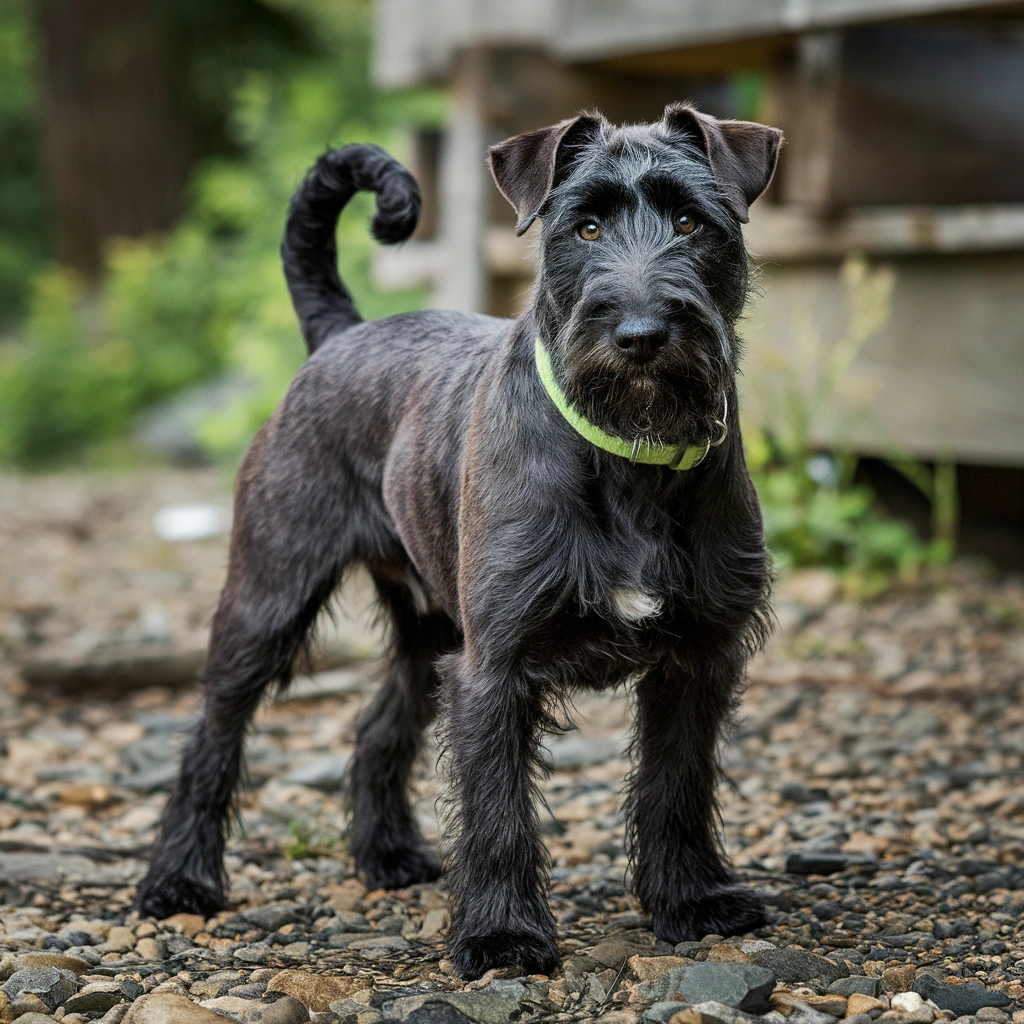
[[813, 89], [418, 42], [702, 61], [944, 376], [786, 234], [507, 254], [464, 190], [592, 31], [412, 265]]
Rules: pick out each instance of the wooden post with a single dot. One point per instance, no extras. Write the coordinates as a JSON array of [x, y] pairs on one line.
[[116, 147], [462, 283], [806, 105]]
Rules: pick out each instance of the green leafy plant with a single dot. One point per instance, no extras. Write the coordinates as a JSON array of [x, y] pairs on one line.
[[305, 842], [297, 847], [939, 485], [285, 129], [815, 513], [88, 361]]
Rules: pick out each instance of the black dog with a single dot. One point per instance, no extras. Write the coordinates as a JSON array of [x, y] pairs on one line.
[[545, 504]]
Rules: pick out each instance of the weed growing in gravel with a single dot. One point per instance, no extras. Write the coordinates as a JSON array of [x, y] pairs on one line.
[[306, 842]]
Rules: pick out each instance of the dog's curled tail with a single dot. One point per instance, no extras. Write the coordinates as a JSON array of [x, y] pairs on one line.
[[309, 252]]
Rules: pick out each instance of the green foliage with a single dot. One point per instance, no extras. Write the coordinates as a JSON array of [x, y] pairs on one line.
[[814, 512], [304, 842], [285, 129], [210, 296], [211, 45], [297, 847], [832, 523], [88, 362], [939, 485], [749, 86]]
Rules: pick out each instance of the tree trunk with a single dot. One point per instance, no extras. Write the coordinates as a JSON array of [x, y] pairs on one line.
[[116, 146]]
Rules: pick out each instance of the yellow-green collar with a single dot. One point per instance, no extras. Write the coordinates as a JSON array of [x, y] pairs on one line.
[[675, 456]]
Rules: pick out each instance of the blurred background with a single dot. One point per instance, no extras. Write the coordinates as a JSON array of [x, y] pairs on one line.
[[148, 151]]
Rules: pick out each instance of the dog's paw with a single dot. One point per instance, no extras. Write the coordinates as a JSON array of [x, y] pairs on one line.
[[397, 869], [162, 896], [729, 910], [474, 955]]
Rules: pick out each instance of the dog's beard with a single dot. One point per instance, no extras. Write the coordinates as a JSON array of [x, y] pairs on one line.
[[676, 396]]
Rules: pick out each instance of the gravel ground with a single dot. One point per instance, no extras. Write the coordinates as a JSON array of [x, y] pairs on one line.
[[873, 795]]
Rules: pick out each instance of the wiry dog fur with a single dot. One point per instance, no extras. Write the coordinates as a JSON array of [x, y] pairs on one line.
[[517, 561]]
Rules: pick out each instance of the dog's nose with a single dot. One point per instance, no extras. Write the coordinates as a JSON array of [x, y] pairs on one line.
[[640, 336]]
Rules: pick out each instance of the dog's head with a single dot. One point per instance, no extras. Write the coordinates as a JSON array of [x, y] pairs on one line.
[[643, 270]]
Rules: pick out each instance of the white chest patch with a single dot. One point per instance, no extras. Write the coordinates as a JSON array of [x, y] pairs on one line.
[[634, 605]]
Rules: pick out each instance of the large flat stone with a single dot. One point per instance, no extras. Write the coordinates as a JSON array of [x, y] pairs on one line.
[[97, 997], [58, 960], [272, 916], [743, 986], [615, 950], [493, 1004], [326, 773], [169, 1008], [285, 1010], [963, 1000], [856, 984], [50, 984], [795, 965], [58, 868], [315, 991]]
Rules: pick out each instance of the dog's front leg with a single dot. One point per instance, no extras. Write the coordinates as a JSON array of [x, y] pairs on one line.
[[498, 867], [680, 874]]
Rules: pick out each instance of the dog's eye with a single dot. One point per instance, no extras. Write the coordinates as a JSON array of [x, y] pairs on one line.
[[685, 224], [589, 231]]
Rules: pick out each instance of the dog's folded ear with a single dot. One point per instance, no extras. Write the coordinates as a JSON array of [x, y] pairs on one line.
[[526, 167], [742, 154]]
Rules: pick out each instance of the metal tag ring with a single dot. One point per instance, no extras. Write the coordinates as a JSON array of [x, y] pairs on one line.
[[721, 423]]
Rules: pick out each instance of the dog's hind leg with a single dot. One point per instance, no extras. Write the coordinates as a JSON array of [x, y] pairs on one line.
[[680, 873], [288, 550], [384, 838]]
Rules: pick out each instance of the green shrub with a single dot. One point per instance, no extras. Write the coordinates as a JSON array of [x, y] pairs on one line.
[[88, 362]]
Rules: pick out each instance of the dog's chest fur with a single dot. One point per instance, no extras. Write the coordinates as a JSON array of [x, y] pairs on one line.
[[605, 536], [633, 605]]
